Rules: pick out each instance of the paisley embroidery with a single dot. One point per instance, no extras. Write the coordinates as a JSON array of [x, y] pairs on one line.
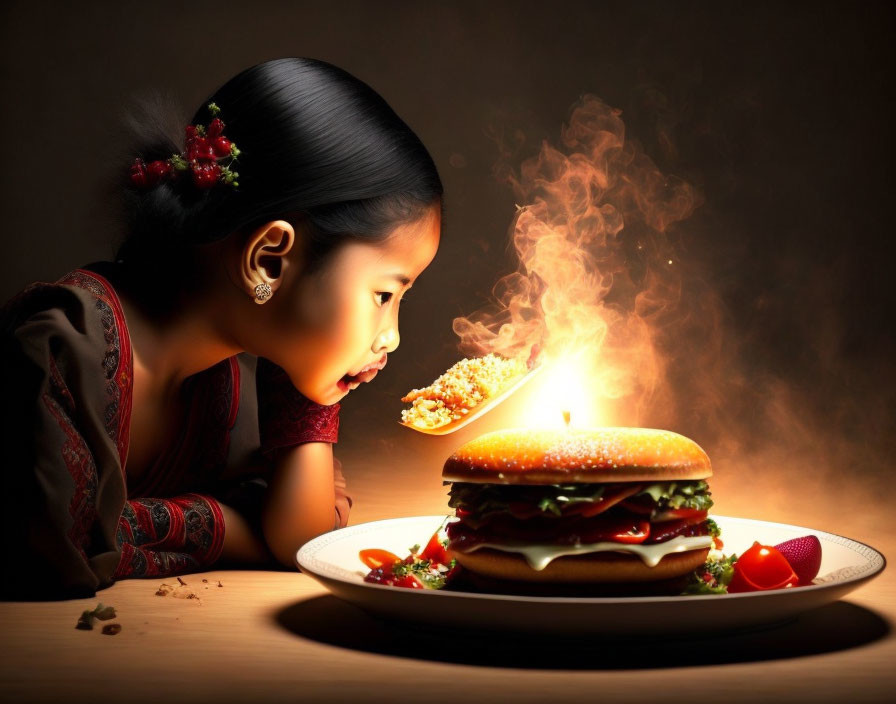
[[137, 562], [117, 362], [185, 533], [78, 460]]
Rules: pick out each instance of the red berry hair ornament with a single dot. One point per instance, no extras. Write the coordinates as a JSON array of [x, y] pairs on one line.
[[208, 155]]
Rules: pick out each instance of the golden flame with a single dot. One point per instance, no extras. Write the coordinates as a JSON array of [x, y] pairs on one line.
[[563, 393], [594, 276]]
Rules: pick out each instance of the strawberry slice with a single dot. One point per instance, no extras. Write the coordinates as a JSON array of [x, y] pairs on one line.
[[804, 555]]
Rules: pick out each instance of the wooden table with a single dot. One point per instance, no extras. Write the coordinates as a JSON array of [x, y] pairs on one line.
[[268, 636]]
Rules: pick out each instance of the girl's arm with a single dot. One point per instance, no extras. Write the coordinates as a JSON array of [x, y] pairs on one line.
[[300, 500]]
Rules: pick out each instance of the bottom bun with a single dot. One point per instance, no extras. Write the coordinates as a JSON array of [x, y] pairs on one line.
[[601, 567]]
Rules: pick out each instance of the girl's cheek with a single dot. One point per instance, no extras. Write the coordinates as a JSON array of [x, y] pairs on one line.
[[312, 304], [347, 322]]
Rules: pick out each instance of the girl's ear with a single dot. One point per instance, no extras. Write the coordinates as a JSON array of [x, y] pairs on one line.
[[263, 258]]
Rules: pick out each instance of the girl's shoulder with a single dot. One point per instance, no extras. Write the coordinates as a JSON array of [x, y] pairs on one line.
[[79, 298], [76, 319]]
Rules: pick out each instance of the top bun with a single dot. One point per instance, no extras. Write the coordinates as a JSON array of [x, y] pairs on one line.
[[524, 456]]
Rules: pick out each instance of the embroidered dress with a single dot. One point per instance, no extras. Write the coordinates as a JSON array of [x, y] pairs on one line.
[[73, 521]]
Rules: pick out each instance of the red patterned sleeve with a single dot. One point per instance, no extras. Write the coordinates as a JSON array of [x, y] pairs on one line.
[[285, 417], [165, 537]]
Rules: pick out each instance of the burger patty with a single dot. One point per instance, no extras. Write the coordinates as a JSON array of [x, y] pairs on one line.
[[627, 513], [622, 527]]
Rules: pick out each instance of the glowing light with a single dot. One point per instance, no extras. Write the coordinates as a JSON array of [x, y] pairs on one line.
[[566, 397], [577, 297]]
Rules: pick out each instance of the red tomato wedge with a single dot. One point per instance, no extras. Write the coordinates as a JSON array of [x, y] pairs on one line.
[[374, 557], [635, 534], [762, 568], [435, 552]]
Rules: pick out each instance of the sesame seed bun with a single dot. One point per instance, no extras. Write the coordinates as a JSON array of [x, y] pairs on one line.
[[525, 456], [600, 567]]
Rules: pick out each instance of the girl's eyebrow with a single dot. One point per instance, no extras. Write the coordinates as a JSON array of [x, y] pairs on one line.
[[401, 278]]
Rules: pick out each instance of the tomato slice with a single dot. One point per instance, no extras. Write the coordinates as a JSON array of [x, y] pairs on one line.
[[762, 568], [666, 530], [435, 552], [672, 514], [374, 557], [622, 530]]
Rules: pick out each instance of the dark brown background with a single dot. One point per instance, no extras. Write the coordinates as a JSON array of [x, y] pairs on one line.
[[781, 116]]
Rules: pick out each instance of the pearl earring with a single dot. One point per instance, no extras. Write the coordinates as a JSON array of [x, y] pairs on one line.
[[263, 292]]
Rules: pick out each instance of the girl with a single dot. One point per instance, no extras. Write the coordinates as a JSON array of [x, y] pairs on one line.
[[176, 409]]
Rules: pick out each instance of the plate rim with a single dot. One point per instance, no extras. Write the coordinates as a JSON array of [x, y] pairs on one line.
[[877, 563]]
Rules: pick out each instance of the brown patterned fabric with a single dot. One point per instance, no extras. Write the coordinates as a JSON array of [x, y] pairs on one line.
[[72, 522]]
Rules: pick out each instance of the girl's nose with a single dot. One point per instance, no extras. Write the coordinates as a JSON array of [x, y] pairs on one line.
[[387, 340]]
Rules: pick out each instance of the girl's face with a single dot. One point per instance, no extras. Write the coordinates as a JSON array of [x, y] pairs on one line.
[[336, 325]]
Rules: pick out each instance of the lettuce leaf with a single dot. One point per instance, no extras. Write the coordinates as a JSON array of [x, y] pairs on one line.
[[687, 494], [551, 498]]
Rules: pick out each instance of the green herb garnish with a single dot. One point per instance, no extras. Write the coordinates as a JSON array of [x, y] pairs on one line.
[[712, 578], [103, 613]]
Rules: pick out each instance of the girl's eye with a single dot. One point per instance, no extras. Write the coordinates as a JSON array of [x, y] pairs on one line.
[[383, 297]]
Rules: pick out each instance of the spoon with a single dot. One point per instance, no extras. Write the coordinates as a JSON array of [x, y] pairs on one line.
[[480, 410]]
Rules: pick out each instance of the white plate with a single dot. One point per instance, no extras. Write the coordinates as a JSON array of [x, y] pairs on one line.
[[332, 559]]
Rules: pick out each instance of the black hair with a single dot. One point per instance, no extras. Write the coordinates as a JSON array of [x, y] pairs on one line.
[[316, 144]]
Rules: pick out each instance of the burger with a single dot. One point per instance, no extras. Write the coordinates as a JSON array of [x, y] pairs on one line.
[[608, 506]]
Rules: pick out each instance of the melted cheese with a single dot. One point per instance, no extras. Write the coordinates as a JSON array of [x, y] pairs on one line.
[[540, 556]]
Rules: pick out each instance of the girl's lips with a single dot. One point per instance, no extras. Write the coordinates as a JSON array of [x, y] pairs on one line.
[[366, 376], [374, 367], [353, 381], [347, 383]]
